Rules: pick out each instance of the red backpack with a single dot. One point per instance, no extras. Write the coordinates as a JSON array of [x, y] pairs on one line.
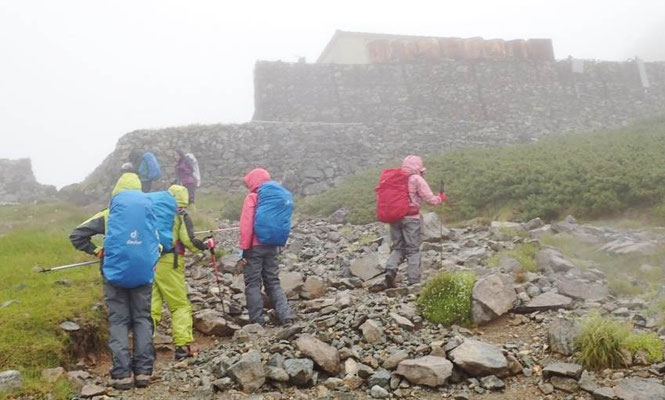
[[392, 196]]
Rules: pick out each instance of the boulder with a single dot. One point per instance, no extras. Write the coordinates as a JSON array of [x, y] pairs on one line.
[[380, 378], [366, 267], [550, 260], [403, 322], [212, 322], [276, 374], [372, 332], [491, 382], [431, 228], [477, 358], [565, 384], [639, 389], [495, 295], [291, 283], [10, 380], [377, 392], [395, 358], [582, 290], [299, 370], [324, 355], [508, 263], [429, 370], [314, 287], [547, 301], [339, 216], [563, 369], [248, 373], [562, 335], [91, 390]]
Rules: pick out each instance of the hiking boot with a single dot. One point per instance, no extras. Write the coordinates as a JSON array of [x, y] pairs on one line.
[[141, 380], [182, 352], [288, 322], [122, 383], [390, 280]]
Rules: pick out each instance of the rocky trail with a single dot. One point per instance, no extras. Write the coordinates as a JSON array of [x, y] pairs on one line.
[[356, 340]]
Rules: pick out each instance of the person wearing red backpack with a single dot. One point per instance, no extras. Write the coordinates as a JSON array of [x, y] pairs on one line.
[[405, 233]]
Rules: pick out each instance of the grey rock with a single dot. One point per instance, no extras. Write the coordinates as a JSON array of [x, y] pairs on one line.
[[92, 390], [53, 374], [639, 389], [70, 326], [582, 290], [431, 228], [378, 392], [291, 283], [508, 263], [491, 382], [314, 287], [550, 260], [339, 216], [563, 369], [10, 380], [324, 355], [477, 358], [548, 301], [380, 378], [401, 321], [372, 332], [395, 358], [276, 374], [429, 370], [562, 334], [568, 385], [604, 393], [546, 388], [212, 322], [495, 295], [248, 372], [366, 267], [300, 370], [587, 382]]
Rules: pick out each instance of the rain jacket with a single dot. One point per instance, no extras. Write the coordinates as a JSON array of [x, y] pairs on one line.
[[169, 285], [81, 236], [185, 171], [419, 190], [253, 180]]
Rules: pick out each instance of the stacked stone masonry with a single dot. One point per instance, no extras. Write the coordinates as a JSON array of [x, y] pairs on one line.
[[317, 123]]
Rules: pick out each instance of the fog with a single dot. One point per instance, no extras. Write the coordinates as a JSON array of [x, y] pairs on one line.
[[77, 75]]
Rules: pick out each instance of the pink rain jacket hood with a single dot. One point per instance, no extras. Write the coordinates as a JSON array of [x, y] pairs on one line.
[[253, 180], [413, 165]]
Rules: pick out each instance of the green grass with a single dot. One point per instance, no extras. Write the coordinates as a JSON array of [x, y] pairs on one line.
[[446, 298], [592, 175], [30, 339], [602, 339], [220, 205], [525, 253]]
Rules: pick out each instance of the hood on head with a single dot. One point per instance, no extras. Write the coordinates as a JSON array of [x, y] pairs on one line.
[[127, 181], [181, 195], [255, 178], [413, 164]]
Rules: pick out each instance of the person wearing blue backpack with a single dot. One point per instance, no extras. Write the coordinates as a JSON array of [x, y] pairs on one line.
[[127, 258], [170, 285], [265, 223], [147, 168]]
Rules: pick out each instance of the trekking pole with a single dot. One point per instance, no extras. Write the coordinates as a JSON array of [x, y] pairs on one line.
[[210, 231], [214, 267], [69, 266]]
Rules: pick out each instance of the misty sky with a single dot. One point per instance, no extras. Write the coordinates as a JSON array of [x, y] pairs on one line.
[[77, 75]]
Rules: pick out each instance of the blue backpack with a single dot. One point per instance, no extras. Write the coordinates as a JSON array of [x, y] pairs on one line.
[[272, 223], [165, 207], [131, 245], [149, 169]]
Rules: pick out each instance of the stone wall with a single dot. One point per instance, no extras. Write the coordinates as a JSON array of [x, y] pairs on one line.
[[18, 183], [542, 92]]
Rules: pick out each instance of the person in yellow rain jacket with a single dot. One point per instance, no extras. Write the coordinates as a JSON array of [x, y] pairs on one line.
[[169, 285]]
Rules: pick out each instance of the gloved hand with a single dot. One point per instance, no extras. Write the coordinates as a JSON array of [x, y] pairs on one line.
[[210, 243], [99, 252], [442, 196]]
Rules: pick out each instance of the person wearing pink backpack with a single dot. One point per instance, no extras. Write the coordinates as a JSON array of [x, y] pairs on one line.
[[405, 233]]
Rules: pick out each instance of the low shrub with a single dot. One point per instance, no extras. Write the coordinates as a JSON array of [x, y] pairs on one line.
[[525, 253], [446, 298], [602, 341]]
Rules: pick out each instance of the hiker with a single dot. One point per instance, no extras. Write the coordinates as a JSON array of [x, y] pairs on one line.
[[170, 283], [185, 173], [259, 259], [127, 288], [405, 233], [147, 167]]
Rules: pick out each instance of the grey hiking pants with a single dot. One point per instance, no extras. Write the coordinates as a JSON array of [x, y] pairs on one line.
[[405, 236], [262, 270], [130, 309]]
